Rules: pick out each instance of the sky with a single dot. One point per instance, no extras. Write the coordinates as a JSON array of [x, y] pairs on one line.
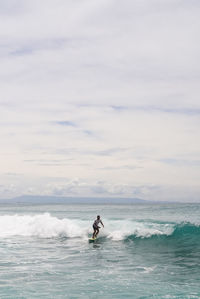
[[100, 98]]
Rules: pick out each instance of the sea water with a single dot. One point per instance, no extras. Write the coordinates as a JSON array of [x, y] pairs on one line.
[[144, 251]]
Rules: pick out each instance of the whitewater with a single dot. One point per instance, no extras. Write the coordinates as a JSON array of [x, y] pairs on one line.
[[144, 251]]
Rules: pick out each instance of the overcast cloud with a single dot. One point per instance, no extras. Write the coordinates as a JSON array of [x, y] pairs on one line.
[[100, 98]]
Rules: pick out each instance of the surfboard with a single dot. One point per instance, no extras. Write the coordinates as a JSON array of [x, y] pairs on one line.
[[92, 239]]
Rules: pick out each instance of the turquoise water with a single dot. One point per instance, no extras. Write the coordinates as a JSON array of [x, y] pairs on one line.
[[144, 251]]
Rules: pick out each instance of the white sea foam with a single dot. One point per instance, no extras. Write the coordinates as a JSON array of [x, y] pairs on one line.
[[122, 229], [43, 225], [47, 226]]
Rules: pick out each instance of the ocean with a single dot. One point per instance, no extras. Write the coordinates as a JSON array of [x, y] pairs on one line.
[[144, 251]]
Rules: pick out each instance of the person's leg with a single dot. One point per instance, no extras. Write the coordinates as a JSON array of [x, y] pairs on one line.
[[96, 233]]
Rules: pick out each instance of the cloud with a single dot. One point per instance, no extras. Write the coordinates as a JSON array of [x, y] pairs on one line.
[[103, 91], [66, 123], [101, 62], [181, 162]]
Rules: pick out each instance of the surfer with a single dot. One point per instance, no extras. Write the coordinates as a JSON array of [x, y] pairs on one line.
[[96, 226]]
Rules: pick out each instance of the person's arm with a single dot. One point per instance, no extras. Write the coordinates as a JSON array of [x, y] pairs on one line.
[[102, 223]]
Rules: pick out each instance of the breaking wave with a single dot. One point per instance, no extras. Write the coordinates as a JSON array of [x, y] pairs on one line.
[[47, 226], [43, 225]]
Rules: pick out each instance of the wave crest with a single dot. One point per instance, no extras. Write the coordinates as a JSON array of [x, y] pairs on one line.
[[47, 226]]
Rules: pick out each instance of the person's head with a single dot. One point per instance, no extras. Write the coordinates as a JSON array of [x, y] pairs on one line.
[[98, 217]]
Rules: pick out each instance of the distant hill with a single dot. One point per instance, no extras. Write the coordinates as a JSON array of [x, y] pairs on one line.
[[34, 199]]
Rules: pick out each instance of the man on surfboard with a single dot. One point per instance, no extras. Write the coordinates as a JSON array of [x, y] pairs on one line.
[[96, 226]]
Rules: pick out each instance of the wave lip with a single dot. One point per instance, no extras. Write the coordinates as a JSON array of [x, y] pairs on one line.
[[186, 229]]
